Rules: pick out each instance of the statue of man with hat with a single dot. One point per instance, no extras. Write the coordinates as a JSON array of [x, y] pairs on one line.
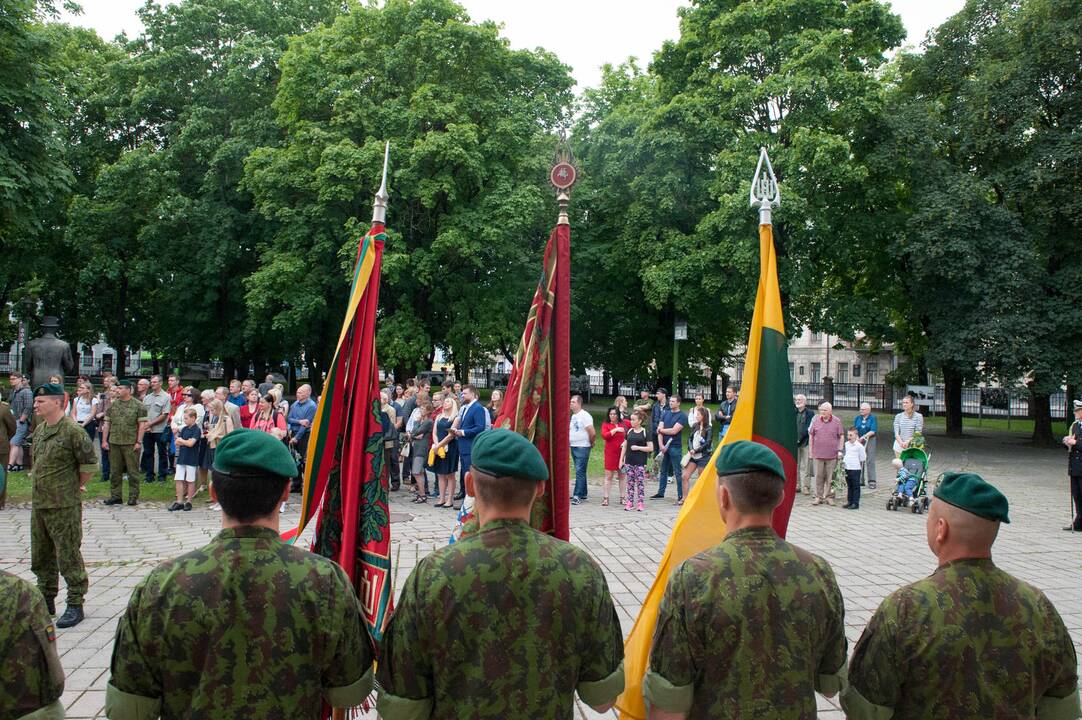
[[968, 641], [754, 626], [247, 626], [64, 462], [48, 355], [525, 621]]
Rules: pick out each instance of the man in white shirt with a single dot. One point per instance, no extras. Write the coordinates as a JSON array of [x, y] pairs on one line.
[[581, 437]]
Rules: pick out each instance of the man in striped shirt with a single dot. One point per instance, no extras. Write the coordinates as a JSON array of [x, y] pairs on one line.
[[906, 423]]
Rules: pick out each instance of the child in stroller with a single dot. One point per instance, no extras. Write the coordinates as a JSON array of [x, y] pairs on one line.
[[910, 491]]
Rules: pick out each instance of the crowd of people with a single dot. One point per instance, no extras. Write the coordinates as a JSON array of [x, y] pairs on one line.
[[647, 442], [148, 432]]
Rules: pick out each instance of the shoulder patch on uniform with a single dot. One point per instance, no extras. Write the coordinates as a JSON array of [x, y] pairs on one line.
[[50, 633]]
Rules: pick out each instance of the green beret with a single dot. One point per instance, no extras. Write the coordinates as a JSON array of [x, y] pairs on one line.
[[746, 456], [253, 451], [124, 383], [505, 453], [49, 389], [972, 493]]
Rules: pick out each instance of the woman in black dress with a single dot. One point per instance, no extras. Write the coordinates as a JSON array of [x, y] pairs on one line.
[[445, 449]]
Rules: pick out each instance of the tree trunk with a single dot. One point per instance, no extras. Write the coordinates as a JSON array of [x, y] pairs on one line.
[[229, 369], [291, 380], [259, 370], [952, 392], [713, 385], [1040, 409], [605, 383]]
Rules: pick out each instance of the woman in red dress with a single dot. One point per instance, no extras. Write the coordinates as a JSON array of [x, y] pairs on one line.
[[613, 431]]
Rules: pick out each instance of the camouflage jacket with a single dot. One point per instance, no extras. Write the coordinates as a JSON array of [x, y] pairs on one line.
[[31, 678], [750, 628], [61, 452], [969, 641], [507, 623], [123, 417], [246, 627]]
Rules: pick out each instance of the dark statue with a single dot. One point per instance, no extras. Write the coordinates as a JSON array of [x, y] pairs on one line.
[[48, 354]]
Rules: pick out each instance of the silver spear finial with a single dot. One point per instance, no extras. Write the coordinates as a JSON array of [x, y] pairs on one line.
[[379, 207], [764, 188]]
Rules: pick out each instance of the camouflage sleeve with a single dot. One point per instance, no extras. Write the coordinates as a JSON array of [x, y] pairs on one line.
[[134, 691], [31, 677], [670, 680], [875, 672], [601, 674], [1060, 700], [831, 669], [84, 451], [347, 677], [404, 672]]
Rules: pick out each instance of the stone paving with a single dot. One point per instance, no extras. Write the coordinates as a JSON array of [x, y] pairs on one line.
[[873, 551]]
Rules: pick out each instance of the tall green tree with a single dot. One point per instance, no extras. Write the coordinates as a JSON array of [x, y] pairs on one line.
[[999, 90], [32, 174], [468, 120]]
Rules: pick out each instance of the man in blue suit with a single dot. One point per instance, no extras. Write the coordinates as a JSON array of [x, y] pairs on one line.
[[473, 421]]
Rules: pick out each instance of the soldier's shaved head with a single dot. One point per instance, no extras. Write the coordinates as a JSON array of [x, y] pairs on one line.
[[954, 533]]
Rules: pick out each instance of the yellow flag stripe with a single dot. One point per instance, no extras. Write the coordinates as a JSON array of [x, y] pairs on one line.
[[698, 525]]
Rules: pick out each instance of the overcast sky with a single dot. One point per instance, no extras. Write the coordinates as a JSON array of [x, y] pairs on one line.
[[585, 34]]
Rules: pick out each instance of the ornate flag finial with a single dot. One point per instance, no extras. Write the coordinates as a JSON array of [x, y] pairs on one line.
[[562, 176], [764, 188], [379, 207]]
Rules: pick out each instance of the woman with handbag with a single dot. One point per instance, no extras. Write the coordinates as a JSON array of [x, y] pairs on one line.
[[698, 454], [443, 456], [419, 431]]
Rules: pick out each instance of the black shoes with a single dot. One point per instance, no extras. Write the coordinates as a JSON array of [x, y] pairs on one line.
[[132, 502], [396, 486], [657, 496], [71, 617], [15, 468], [187, 506], [460, 496], [1071, 528], [50, 605], [176, 506], [112, 501]]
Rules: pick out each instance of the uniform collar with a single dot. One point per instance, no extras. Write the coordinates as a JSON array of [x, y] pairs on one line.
[[761, 532], [983, 563], [248, 531], [504, 523]]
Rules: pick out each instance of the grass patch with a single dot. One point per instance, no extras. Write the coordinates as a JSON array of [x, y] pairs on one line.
[[20, 490]]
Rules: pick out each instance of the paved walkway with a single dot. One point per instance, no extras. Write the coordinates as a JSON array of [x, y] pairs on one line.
[[873, 551]]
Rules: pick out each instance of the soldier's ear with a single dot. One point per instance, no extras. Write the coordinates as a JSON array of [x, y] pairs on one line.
[[540, 488], [469, 484]]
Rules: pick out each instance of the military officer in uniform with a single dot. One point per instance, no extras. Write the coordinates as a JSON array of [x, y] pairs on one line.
[[969, 641], [523, 621], [64, 462], [122, 438], [1073, 441], [247, 626], [754, 626], [31, 678]]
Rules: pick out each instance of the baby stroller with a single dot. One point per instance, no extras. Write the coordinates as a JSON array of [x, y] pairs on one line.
[[911, 490]]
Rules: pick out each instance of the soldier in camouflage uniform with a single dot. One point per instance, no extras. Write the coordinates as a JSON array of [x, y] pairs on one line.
[[31, 678], [64, 462], [122, 438], [522, 620], [247, 626], [969, 641], [752, 627]]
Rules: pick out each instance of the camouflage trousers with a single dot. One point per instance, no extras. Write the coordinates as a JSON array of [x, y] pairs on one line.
[[56, 538], [122, 460]]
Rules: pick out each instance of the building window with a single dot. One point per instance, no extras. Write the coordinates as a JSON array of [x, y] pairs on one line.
[[816, 337], [5, 358], [843, 372], [856, 370], [871, 373], [816, 372], [791, 376], [88, 361], [801, 370]]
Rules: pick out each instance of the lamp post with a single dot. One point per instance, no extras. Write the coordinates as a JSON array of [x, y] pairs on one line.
[[680, 332]]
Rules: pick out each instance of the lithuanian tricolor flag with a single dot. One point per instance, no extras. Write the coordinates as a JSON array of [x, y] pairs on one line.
[[764, 414]]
